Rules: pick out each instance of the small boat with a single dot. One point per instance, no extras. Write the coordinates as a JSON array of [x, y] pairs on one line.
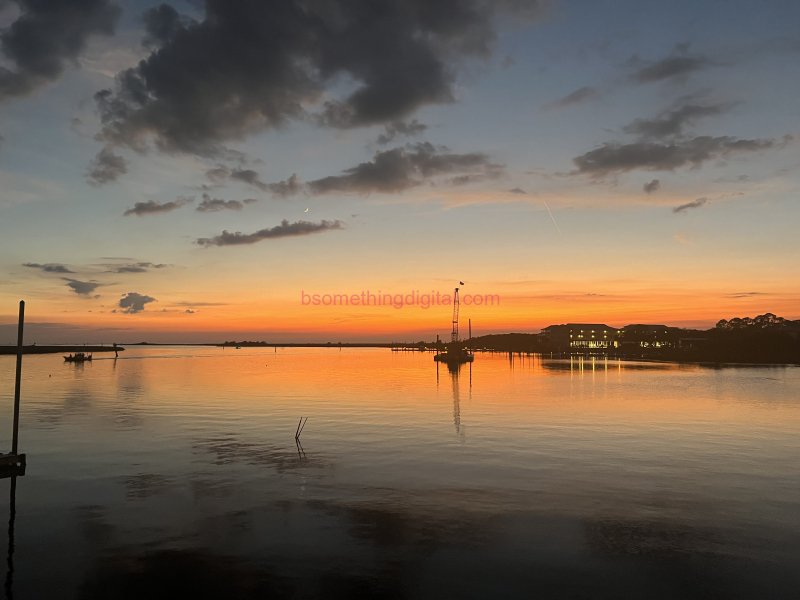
[[78, 357]]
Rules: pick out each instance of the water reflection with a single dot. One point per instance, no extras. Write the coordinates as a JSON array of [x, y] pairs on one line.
[[180, 478], [12, 516]]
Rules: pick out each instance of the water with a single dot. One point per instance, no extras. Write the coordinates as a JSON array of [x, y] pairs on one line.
[[173, 472]]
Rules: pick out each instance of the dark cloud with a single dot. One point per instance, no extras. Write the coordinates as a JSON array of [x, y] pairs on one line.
[[248, 176], [221, 174], [392, 130], [287, 187], [248, 66], [139, 267], [580, 95], [652, 186], [133, 302], [49, 267], [402, 168], [106, 167], [152, 207], [611, 158], [676, 66], [285, 229], [210, 204], [162, 23], [672, 122], [47, 35], [690, 205], [517, 190], [82, 288]]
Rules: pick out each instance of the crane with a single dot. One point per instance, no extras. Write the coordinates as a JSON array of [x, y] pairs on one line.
[[454, 334]]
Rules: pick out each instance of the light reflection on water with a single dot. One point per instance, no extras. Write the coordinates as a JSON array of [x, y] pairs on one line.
[[174, 472]]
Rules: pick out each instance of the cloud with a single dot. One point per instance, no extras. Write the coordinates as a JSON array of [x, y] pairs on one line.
[[287, 187], [285, 229], [746, 294], [578, 96], [402, 168], [247, 67], [210, 204], [49, 267], [671, 123], [676, 66], [82, 288], [611, 158], [152, 207], [651, 186], [689, 205], [133, 302], [46, 36], [139, 267], [517, 190], [106, 167], [392, 130], [221, 173], [162, 23]]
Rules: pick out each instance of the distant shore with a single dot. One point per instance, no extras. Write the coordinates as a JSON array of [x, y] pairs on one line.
[[59, 349]]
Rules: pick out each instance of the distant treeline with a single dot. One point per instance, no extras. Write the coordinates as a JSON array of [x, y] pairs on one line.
[[763, 339]]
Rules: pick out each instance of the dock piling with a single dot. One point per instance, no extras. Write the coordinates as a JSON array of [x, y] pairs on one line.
[[17, 383]]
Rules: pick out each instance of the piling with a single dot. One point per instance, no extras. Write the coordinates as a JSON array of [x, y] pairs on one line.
[[18, 381]]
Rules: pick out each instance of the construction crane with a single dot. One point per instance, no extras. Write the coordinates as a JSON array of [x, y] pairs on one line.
[[454, 334]]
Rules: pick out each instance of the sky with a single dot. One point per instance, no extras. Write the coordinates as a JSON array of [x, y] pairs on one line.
[[203, 171]]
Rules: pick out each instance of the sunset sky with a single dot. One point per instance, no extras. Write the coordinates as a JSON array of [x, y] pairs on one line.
[[186, 172]]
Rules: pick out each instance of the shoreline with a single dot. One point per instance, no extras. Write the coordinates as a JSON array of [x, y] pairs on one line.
[[6, 350]]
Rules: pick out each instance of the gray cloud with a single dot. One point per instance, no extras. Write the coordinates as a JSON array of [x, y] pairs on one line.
[[675, 66], [651, 186], [133, 302], [392, 130], [139, 267], [106, 167], [246, 67], [517, 190], [287, 187], [578, 96], [151, 207], [162, 23], [672, 122], [49, 267], [210, 204], [285, 229], [613, 158], [690, 205], [47, 35], [402, 168], [82, 288], [221, 173]]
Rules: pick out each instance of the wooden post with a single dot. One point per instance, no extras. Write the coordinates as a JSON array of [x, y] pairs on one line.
[[15, 438]]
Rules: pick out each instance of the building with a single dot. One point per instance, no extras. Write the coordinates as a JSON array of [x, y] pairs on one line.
[[581, 337], [639, 336]]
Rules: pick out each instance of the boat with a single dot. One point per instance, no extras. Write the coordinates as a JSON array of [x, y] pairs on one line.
[[455, 355], [78, 357]]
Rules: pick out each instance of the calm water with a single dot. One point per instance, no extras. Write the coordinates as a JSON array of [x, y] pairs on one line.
[[173, 472]]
